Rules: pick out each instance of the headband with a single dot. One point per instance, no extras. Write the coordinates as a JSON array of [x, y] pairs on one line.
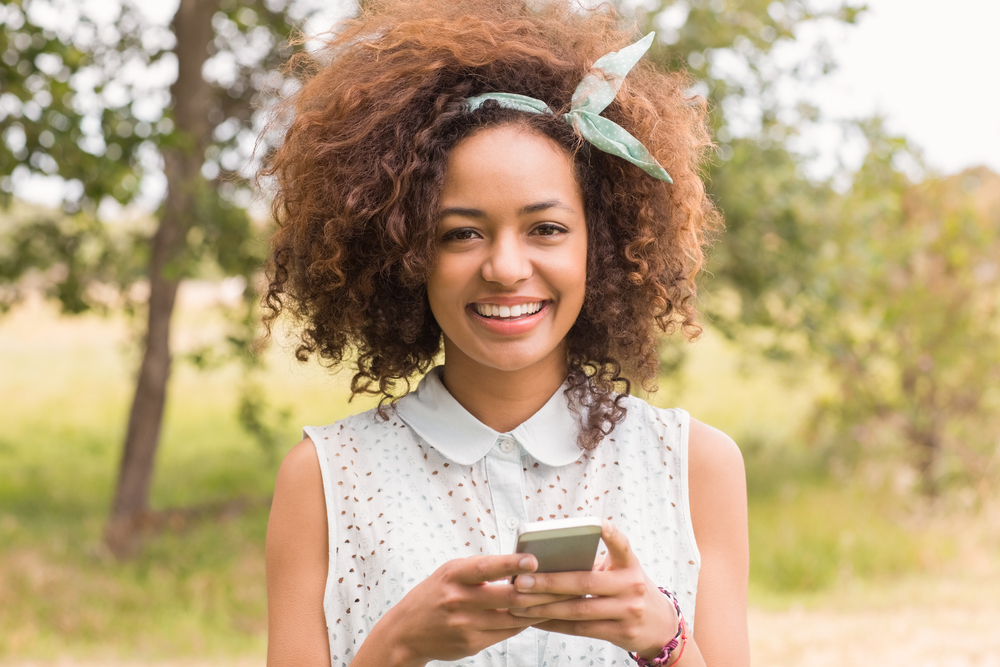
[[590, 98]]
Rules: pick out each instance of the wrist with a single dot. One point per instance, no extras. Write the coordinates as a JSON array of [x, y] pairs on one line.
[[385, 647], [669, 644]]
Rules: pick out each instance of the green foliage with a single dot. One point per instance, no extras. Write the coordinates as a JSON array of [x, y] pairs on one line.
[[87, 102], [896, 287], [913, 327], [893, 285], [728, 45]]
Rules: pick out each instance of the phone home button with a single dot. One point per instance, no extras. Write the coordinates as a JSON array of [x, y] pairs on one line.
[[512, 522]]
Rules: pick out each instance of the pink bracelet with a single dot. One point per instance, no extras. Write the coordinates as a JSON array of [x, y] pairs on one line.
[[664, 657]]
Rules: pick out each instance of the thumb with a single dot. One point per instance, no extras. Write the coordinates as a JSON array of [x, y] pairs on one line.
[[620, 551]]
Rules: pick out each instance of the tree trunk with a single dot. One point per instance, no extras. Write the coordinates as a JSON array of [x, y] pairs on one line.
[[182, 165], [929, 444]]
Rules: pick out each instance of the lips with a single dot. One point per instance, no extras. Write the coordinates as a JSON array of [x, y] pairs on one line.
[[503, 312], [505, 322]]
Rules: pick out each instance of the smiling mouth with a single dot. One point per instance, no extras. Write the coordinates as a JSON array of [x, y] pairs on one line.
[[495, 312]]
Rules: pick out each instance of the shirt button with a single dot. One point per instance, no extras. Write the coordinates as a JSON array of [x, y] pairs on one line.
[[506, 446], [512, 522]]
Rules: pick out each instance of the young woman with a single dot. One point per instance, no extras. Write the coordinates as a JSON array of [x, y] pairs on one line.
[[509, 184]]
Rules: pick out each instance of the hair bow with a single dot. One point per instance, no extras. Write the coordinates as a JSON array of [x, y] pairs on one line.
[[591, 97]]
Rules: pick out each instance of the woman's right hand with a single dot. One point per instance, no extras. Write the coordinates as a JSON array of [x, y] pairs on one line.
[[454, 613]]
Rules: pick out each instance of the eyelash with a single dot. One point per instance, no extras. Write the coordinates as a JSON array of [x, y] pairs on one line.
[[457, 234], [466, 233], [550, 229]]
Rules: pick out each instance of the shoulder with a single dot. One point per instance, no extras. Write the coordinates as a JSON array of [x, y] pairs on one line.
[[717, 494], [713, 458], [298, 501], [300, 465], [641, 415], [716, 483], [359, 429]]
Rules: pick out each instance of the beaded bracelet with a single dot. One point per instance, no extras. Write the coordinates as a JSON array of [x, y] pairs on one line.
[[664, 657]]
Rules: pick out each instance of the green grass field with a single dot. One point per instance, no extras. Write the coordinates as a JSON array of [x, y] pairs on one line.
[[198, 588]]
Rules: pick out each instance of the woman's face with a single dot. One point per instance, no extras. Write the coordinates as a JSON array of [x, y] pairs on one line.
[[512, 240]]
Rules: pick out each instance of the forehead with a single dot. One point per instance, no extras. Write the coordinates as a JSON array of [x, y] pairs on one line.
[[509, 166]]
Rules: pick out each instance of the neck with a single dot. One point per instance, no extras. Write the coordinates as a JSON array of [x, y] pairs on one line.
[[503, 400]]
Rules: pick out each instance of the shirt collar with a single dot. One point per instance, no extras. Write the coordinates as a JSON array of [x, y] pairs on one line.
[[549, 435]]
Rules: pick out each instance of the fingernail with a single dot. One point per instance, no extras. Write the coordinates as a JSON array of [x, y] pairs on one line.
[[525, 563], [517, 612], [525, 581]]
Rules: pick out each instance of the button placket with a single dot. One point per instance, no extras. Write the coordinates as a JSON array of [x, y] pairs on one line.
[[504, 471]]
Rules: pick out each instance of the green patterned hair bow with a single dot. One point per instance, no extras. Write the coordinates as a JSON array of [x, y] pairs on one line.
[[590, 98]]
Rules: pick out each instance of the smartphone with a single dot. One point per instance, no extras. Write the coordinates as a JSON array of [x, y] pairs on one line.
[[561, 545]]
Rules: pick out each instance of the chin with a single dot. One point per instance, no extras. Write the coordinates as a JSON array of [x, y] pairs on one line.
[[518, 360]]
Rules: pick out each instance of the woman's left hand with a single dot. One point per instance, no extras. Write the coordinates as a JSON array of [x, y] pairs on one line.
[[624, 607]]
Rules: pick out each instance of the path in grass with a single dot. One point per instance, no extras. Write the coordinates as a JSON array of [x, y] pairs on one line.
[[943, 636]]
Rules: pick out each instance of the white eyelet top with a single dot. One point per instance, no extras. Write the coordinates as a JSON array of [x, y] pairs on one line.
[[433, 483]]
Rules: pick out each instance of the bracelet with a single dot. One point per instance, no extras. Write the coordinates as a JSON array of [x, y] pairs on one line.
[[680, 639]]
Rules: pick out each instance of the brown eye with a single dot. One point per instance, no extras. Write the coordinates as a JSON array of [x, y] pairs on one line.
[[548, 229], [461, 234]]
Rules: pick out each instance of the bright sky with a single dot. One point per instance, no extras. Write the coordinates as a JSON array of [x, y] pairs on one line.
[[932, 69]]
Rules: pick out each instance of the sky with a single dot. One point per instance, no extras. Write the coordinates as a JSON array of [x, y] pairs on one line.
[[931, 69]]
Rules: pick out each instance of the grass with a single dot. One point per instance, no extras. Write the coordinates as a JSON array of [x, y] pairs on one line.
[[198, 588]]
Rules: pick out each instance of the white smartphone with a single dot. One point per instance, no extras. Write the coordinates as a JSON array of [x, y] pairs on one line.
[[561, 545]]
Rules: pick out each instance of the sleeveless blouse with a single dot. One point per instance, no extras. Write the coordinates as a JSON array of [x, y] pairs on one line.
[[432, 483]]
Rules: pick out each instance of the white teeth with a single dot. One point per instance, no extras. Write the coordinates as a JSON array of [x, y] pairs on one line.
[[492, 310]]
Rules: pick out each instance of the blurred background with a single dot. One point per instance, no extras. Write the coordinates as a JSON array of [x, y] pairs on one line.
[[852, 314]]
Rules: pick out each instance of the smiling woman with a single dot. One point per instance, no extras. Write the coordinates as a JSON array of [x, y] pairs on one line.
[[510, 183], [513, 235]]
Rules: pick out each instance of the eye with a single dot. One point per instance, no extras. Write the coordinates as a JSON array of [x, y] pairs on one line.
[[460, 234], [548, 229]]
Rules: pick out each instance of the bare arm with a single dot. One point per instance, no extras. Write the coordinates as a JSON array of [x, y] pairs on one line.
[[297, 558], [451, 614], [718, 496]]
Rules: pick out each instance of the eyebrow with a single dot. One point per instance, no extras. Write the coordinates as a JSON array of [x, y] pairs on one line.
[[525, 210]]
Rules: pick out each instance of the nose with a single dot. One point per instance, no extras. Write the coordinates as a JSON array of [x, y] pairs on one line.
[[507, 263]]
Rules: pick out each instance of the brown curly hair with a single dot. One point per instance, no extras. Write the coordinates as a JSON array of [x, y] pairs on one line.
[[359, 170]]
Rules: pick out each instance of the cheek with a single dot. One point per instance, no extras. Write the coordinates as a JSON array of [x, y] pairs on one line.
[[576, 271], [444, 285]]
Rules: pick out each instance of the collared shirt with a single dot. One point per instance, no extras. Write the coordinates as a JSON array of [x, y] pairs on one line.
[[432, 483]]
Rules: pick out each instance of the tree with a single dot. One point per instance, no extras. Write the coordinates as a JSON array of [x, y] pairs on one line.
[[907, 314], [774, 215], [892, 286], [84, 102]]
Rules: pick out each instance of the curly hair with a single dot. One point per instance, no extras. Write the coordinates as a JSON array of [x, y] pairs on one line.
[[358, 175]]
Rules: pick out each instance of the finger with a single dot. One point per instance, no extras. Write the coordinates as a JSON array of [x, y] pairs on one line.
[[527, 600], [482, 569], [620, 552], [491, 637], [608, 630], [505, 596], [577, 584], [488, 620], [575, 609]]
